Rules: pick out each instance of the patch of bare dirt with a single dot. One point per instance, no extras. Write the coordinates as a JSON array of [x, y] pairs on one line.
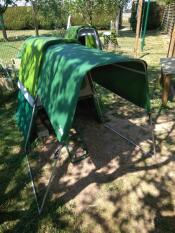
[[119, 187]]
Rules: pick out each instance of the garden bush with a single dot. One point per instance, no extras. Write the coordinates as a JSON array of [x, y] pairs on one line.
[[20, 18]]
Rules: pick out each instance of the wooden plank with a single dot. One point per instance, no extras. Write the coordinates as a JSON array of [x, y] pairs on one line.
[[168, 65], [139, 17], [166, 88]]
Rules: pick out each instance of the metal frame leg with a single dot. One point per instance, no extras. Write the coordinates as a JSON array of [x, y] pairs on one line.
[[125, 138], [96, 100], [118, 133], [132, 142], [78, 142], [152, 134], [33, 185], [75, 159], [31, 123], [56, 156]]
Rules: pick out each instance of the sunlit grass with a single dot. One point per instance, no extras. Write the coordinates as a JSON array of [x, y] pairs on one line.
[[18, 211], [9, 50]]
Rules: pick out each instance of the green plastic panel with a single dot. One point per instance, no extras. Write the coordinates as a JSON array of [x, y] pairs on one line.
[[54, 69], [23, 114], [31, 58], [63, 70]]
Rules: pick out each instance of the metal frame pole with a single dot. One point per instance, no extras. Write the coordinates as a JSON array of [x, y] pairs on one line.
[[56, 156], [97, 102], [33, 186], [121, 135], [145, 25], [31, 123], [125, 138], [152, 134]]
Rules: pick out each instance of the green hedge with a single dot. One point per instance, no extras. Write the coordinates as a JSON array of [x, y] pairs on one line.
[[99, 21], [19, 18]]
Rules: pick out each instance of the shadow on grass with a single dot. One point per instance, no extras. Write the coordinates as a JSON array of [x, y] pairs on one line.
[[18, 211]]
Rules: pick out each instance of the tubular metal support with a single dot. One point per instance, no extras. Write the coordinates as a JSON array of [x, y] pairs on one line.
[[33, 186], [56, 156], [125, 138], [31, 123], [152, 134], [119, 134], [96, 99]]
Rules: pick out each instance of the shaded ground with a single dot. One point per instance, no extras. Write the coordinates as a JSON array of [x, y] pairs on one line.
[[118, 188]]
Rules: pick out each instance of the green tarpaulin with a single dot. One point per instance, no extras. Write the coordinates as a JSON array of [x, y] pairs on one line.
[[23, 114], [72, 32], [31, 56], [62, 70]]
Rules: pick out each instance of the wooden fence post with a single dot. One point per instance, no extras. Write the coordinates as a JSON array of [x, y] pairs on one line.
[[139, 17]]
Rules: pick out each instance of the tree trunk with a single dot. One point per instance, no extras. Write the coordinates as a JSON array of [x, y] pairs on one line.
[[2, 27], [117, 22], [91, 21], [35, 19], [89, 8], [120, 18], [139, 17], [36, 28]]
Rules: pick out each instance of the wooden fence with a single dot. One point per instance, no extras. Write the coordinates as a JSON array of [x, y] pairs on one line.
[[168, 19]]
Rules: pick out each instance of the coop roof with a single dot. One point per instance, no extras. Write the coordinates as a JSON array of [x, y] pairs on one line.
[[62, 66]]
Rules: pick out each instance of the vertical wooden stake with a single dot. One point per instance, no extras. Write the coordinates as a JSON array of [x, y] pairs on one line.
[[171, 47], [139, 17]]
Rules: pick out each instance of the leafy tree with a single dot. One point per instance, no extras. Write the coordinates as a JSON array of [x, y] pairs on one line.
[[88, 8], [56, 10], [35, 6], [3, 7], [53, 9]]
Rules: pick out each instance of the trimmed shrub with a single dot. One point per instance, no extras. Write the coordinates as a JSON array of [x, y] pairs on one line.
[[99, 21], [18, 18], [102, 21]]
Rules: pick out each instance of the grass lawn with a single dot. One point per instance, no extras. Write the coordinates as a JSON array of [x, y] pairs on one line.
[[117, 189], [18, 211], [8, 50]]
